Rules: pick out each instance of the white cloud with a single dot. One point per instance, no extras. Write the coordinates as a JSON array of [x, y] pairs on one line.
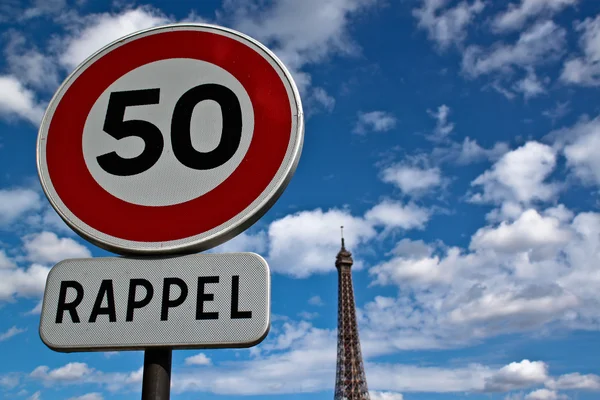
[[243, 242], [29, 65], [459, 297], [393, 214], [582, 140], [47, 247], [545, 394], [22, 282], [299, 32], [18, 101], [557, 112], [541, 43], [515, 17], [16, 202], [530, 85], [88, 396], [470, 152], [531, 231], [77, 373], [315, 301], [37, 310], [43, 7], [517, 375], [320, 97], [5, 261], [9, 381], [36, 396], [443, 128], [575, 381], [71, 372], [198, 359], [412, 179], [97, 30], [10, 333], [447, 26], [385, 395], [585, 70], [302, 360], [374, 121], [410, 378], [519, 176], [302, 244], [306, 316]]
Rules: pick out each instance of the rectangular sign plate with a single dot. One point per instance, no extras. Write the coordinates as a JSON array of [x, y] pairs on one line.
[[186, 302]]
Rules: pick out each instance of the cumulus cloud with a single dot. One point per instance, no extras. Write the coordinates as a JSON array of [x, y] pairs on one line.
[[29, 65], [412, 179], [531, 231], [374, 121], [393, 214], [517, 375], [520, 175], [578, 144], [517, 276], [23, 282], [545, 394], [315, 301], [516, 15], [5, 261], [303, 243], [70, 372], [385, 395], [256, 243], [541, 43], [16, 202], [585, 69], [47, 247], [299, 32], [97, 30], [447, 26], [18, 101], [575, 381], [442, 128], [198, 359], [13, 331], [530, 86], [89, 396], [320, 98]]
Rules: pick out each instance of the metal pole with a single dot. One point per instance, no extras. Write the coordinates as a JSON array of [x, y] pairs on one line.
[[156, 383]]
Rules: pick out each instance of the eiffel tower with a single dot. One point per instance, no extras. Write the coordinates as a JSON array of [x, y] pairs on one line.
[[350, 381]]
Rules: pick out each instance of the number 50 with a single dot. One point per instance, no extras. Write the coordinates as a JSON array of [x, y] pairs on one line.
[[181, 140]]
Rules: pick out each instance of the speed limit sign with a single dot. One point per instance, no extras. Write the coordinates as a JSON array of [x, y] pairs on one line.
[[171, 140]]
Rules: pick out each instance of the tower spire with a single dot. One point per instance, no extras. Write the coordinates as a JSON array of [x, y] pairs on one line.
[[343, 246]]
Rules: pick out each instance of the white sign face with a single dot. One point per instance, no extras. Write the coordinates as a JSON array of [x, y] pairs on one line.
[[197, 301], [171, 140]]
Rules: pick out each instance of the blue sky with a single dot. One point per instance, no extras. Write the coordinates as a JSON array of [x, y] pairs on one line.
[[455, 140]]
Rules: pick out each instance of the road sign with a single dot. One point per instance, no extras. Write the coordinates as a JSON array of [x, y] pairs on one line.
[[174, 139], [197, 301]]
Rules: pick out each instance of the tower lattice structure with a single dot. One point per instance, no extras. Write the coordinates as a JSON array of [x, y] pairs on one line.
[[350, 381]]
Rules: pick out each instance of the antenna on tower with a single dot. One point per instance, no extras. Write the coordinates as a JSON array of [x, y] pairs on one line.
[[343, 247]]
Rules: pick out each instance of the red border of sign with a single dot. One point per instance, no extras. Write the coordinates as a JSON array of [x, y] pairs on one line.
[[100, 210]]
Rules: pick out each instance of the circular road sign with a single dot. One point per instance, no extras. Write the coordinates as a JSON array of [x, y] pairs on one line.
[[171, 140]]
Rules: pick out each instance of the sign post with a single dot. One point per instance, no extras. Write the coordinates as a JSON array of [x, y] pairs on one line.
[[165, 143]]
